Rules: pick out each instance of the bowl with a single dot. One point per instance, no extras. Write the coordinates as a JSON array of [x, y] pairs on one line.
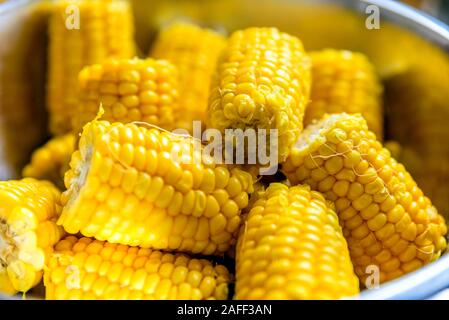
[[408, 47]]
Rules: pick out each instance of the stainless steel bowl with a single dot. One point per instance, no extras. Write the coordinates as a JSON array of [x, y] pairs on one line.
[[409, 50]]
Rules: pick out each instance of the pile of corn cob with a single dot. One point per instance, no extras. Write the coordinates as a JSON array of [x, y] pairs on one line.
[[130, 221]]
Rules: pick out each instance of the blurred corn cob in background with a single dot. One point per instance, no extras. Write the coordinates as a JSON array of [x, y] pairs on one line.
[[89, 269], [105, 30], [129, 184], [395, 148], [51, 161], [345, 81], [386, 219], [22, 85], [262, 81], [28, 231], [128, 90], [292, 247], [194, 51], [419, 126]]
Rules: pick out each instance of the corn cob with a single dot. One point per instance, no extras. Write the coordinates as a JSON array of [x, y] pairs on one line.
[[262, 82], [105, 30], [51, 160], [86, 269], [291, 247], [194, 51], [125, 186], [28, 231], [386, 219], [345, 81], [128, 90], [417, 112]]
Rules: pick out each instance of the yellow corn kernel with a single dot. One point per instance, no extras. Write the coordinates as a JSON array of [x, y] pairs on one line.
[[82, 33], [382, 210], [128, 90], [51, 161], [154, 275], [262, 82], [28, 231], [171, 202], [194, 51], [345, 81], [292, 247]]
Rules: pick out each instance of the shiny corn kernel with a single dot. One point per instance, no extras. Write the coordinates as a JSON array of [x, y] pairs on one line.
[[379, 210], [69, 277]]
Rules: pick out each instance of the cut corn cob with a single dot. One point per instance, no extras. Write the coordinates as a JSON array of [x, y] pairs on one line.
[[28, 231], [105, 30], [262, 82], [292, 247], [51, 161], [128, 90], [86, 269], [125, 186], [386, 219], [345, 81], [194, 51]]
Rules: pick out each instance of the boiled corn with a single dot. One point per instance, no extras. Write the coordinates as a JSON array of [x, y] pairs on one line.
[[395, 149], [345, 81], [262, 82], [292, 247], [105, 29], [194, 51], [386, 219], [417, 112], [86, 269], [28, 231], [128, 90], [51, 161], [125, 186]]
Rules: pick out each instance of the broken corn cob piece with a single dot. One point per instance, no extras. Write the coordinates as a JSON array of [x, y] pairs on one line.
[[194, 51], [86, 269], [28, 231], [386, 219], [292, 247], [345, 81], [128, 90], [126, 186], [262, 82], [51, 161], [81, 33]]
